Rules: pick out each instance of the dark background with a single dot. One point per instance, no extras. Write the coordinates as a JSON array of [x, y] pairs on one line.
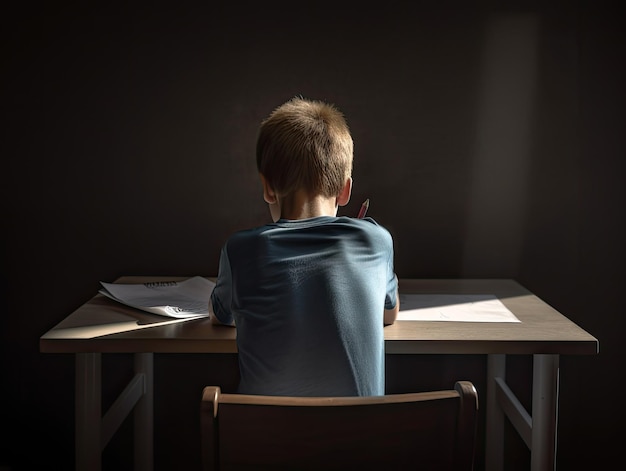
[[489, 138]]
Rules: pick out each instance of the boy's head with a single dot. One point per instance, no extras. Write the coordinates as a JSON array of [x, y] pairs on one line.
[[305, 145]]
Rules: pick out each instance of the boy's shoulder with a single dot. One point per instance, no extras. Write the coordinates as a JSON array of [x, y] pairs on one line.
[[315, 227]]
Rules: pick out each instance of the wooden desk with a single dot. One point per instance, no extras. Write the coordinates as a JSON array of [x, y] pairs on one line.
[[103, 326]]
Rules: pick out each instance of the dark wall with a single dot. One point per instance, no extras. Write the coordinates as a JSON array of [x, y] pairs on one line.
[[488, 139]]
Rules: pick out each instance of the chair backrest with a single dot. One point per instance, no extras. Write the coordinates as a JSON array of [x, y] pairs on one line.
[[428, 430]]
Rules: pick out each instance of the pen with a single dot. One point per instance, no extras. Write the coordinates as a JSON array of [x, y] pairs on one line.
[[364, 207]]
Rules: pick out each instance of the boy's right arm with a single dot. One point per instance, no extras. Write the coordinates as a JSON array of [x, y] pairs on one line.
[[213, 317]]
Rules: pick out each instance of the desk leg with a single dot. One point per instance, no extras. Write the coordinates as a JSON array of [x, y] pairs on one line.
[[88, 412], [494, 437], [143, 415], [545, 412]]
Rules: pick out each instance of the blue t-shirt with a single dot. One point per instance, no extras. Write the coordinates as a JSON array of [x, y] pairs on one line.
[[307, 298]]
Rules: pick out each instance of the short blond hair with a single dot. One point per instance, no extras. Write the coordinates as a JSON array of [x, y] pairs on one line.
[[305, 144]]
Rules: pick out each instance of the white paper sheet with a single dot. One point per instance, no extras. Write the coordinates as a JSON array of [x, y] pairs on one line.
[[454, 307], [178, 299]]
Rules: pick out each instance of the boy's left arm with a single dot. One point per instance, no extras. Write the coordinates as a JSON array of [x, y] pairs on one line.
[[390, 315]]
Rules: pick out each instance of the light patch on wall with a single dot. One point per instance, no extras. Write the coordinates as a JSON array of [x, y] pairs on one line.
[[499, 172]]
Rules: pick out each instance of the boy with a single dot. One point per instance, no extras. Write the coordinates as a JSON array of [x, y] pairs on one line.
[[310, 293]]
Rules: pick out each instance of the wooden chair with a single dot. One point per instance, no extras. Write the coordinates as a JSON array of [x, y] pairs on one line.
[[428, 430]]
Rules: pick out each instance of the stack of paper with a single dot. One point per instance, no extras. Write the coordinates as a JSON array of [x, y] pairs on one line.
[[179, 299]]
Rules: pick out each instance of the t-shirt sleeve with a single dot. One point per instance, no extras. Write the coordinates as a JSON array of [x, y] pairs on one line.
[[392, 293], [222, 292], [392, 283]]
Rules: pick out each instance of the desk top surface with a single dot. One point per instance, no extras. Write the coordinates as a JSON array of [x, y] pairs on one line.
[[102, 325]]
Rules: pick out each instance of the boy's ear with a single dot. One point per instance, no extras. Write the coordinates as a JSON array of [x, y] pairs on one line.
[[344, 197], [268, 192]]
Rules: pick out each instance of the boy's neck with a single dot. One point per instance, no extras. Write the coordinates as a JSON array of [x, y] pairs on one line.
[[302, 206]]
